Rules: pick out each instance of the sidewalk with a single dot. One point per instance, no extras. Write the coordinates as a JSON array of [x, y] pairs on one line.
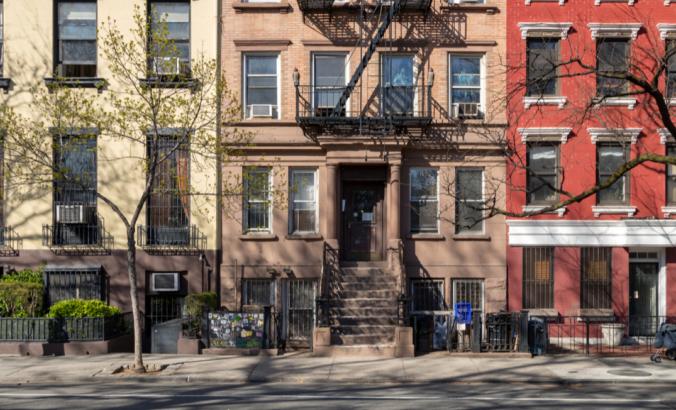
[[303, 368]]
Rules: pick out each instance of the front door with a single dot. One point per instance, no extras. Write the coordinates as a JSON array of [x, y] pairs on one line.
[[363, 221], [643, 279]]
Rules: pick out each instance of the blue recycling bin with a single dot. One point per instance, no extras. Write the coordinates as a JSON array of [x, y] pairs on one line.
[[462, 313]]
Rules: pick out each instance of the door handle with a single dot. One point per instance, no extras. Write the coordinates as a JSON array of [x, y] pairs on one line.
[[342, 205]]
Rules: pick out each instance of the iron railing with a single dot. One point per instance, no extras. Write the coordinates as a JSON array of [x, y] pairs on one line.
[[170, 239], [75, 283], [9, 241], [317, 6], [330, 266], [64, 329], [77, 238], [389, 106]]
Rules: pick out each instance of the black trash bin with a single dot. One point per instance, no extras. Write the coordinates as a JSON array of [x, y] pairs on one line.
[[537, 336]]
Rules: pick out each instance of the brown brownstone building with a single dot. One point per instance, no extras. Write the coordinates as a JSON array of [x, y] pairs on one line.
[[369, 123]]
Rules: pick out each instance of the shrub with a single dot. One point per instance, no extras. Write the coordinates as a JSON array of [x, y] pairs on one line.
[[82, 308], [24, 276], [20, 299], [195, 306]]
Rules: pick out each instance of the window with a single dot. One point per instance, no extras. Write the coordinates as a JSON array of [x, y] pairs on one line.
[[465, 89], [2, 31], [543, 60], [258, 292], [75, 218], [75, 283], [258, 200], [303, 194], [610, 157], [469, 200], [328, 81], [398, 89], [542, 173], [261, 86], [538, 278], [612, 59], [595, 276], [671, 176], [424, 200], [170, 48], [427, 295], [471, 291], [76, 39], [168, 207], [671, 68]]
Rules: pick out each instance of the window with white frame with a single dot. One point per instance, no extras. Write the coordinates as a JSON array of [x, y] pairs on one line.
[[76, 38], [2, 30], [258, 199], [469, 291], [424, 200], [303, 195], [261, 85], [465, 79], [469, 200]]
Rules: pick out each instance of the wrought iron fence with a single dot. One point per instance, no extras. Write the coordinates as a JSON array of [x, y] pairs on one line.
[[77, 238], [64, 330]]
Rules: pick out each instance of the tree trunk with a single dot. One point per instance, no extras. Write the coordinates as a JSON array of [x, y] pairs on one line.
[[133, 294]]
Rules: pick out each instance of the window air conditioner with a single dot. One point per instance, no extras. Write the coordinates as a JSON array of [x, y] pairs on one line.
[[164, 282], [70, 214], [466, 110], [167, 65], [260, 110]]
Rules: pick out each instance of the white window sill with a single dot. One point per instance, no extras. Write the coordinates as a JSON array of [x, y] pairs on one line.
[[534, 208], [559, 101], [561, 2], [598, 210], [630, 103], [669, 210], [598, 2]]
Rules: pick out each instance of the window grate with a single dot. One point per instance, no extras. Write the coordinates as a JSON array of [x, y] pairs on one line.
[[258, 292], [63, 284], [538, 278], [427, 295], [595, 276], [469, 290]]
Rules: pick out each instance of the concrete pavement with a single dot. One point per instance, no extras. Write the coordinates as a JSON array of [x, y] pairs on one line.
[[303, 368]]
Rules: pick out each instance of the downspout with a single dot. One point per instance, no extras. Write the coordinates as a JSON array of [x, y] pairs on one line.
[[219, 162]]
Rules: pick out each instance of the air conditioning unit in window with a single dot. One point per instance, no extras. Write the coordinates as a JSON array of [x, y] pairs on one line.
[[260, 110], [70, 214], [167, 65], [466, 110], [165, 282]]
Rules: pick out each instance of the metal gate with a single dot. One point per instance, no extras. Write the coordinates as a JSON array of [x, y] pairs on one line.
[[162, 308], [298, 309]]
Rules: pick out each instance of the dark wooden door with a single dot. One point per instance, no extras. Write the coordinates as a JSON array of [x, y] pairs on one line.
[[643, 282], [363, 221]]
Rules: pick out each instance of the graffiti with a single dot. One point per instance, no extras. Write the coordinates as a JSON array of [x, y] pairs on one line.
[[245, 330]]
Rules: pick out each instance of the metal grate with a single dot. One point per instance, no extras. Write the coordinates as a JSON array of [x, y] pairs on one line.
[[73, 283], [538, 278], [595, 278], [300, 309], [469, 290], [427, 295], [258, 292], [169, 201]]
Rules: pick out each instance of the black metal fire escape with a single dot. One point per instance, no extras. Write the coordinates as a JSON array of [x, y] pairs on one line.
[[394, 9]]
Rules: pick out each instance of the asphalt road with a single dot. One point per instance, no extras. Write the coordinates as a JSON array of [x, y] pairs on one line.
[[283, 396]]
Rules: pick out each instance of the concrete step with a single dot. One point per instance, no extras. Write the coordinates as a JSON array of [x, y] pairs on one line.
[[363, 321], [354, 340], [354, 282], [380, 350], [363, 330], [365, 294], [352, 303], [363, 311], [361, 272]]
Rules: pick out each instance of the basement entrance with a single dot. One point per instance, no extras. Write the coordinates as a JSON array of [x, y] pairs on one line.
[[362, 213]]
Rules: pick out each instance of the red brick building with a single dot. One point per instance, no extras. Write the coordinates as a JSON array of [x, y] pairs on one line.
[[613, 252]]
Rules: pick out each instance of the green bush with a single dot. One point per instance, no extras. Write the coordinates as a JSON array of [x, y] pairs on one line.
[[24, 276], [20, 299], [82, 308], [197, 303]]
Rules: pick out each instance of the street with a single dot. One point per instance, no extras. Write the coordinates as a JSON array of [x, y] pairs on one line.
[[154, 395]]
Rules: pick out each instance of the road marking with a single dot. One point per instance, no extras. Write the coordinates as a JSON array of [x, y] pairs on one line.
[[328, 397]]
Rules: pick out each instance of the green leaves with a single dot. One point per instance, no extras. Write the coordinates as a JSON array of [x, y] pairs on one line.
[[82, 308]]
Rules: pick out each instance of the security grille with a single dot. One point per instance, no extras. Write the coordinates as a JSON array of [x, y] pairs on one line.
[[259, 292], [469, 290], [299, 302], [595, 276], [74, 283], [427, 295], [538, 278]]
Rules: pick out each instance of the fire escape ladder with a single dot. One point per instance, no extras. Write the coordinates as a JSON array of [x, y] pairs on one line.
[[394, 9]]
